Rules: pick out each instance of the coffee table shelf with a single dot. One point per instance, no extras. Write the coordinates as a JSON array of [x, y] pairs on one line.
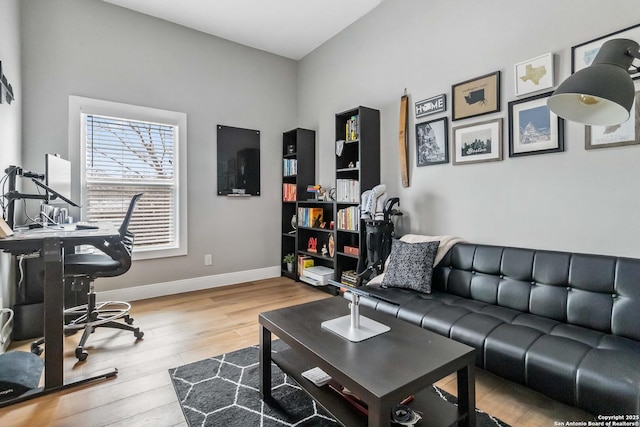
[[435, 410]]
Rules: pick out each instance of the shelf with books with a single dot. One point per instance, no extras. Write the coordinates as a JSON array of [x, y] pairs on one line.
[[316, 236], [348, 218], [357, 169], [298, 171], [315, 242]]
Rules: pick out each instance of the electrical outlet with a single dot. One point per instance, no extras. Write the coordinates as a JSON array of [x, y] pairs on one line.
[[208, 260]]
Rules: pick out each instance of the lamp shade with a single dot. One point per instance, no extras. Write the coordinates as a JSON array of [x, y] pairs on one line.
[[601, 94]]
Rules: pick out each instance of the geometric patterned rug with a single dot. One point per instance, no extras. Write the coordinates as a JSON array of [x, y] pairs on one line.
[[224, 391]]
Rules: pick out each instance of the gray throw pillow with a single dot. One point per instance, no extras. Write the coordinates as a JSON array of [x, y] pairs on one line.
[[410, 265]]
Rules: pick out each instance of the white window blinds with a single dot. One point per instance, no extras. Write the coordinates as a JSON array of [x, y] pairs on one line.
[[124, 157]]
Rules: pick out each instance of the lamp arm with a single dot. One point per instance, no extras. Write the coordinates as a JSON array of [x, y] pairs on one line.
[[634, 54]]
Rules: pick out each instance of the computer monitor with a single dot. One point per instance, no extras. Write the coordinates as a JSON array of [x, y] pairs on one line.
[[58, 177]]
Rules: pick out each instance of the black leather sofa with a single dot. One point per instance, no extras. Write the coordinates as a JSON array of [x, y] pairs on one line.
[[564, 324]]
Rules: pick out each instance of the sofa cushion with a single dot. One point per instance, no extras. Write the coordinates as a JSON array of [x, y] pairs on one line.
[[446, 243], [442, 318], [410, 266], [613, 371], [536, 322], [577, 333], [550, 366], [505, 350], [625, 316], [472, 330]]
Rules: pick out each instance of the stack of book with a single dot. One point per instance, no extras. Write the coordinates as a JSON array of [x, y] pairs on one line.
[[347, 190], [348, 218], [352, 129], [304, 262], [310, 217], [289, 167], [349, 278], [289, 192]]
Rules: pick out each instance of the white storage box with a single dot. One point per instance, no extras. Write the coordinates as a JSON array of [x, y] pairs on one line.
[[317, 276]]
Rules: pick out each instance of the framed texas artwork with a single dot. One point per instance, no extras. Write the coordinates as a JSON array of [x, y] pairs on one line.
[[534, 75]]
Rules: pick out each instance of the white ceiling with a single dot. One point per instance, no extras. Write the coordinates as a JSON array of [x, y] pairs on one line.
[[290, 28]]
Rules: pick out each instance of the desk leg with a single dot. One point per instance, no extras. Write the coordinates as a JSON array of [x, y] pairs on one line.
[[53, 313], [265, 363], [467, 394], [379, 415]]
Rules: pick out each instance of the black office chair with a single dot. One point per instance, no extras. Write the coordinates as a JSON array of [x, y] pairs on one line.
[[84, 268]]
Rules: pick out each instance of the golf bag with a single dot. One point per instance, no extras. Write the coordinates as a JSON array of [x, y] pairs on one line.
[[377, 234]]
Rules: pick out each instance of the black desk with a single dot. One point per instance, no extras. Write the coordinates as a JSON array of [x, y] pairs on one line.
[[52, 243]]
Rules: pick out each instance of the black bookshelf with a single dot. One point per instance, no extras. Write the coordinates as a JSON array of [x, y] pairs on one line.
[[299, 148], [358, 166]]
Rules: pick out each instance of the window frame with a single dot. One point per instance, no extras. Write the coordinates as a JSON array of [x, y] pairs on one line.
[[80, 107]]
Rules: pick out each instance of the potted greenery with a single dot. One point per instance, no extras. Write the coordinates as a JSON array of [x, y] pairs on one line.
[[288, 259]]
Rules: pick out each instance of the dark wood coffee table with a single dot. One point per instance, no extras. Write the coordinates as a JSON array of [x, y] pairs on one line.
[[382, 370]]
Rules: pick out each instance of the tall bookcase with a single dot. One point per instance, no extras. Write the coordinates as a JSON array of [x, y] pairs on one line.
[[357, 170], [298, 171]]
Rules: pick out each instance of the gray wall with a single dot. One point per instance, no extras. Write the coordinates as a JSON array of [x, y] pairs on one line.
[[10, 130], [94, 49], [578, 200]]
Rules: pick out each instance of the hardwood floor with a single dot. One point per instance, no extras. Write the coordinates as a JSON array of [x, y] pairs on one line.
[[188, 327]]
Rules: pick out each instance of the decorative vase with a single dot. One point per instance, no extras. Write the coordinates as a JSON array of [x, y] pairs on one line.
[[290, 267]]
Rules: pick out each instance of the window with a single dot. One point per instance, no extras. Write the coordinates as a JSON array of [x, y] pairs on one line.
[[124, 150]]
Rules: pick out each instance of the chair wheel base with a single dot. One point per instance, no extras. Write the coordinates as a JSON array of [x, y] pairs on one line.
[[81, 354], [36, 349], [138, 333]]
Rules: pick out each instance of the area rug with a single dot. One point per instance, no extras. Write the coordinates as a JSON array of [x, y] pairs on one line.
[[225, 391]]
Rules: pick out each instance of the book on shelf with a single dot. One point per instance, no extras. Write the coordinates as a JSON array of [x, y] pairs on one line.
[[348, 218], [304, 261], [347, 190], [352, 129], [310, 217], [349, 278], [351, 250], [289, 167], [359, 404], [289, 193]]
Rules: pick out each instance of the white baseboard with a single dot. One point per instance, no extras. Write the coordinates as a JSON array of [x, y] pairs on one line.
[[188, 285]]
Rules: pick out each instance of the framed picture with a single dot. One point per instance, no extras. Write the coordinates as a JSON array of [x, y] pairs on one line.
[[436, 104], [583, 54], [432, 145], [476, 97], [627, 133], [534, 74], [533, 128], [477, 142]]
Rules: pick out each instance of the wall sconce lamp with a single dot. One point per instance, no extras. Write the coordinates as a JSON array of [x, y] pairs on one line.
[[601, 94], [6, 91]]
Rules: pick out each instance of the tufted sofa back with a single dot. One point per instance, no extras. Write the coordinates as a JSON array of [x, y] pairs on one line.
[[594, 291]]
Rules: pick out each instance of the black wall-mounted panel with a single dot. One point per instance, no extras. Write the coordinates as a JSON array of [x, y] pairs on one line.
[[238, 161]]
